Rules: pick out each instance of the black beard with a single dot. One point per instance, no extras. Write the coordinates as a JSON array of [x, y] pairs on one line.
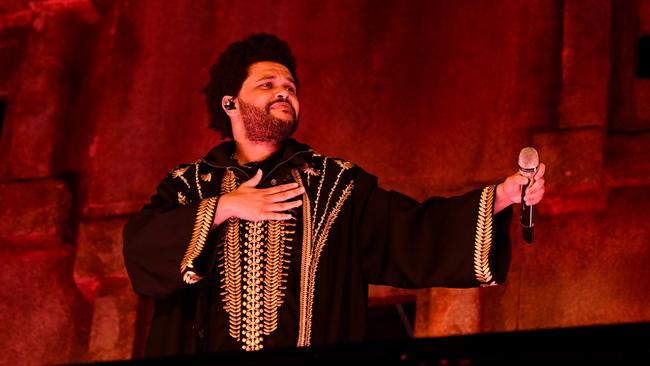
[[261, 126]]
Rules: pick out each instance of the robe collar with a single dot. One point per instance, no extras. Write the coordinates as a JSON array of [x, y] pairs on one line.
[[295, 153]]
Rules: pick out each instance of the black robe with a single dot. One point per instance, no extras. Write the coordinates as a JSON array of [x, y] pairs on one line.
[[305, 281]]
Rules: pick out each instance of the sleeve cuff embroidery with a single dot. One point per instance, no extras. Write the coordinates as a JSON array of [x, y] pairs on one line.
[[483, 239], [202, 226]]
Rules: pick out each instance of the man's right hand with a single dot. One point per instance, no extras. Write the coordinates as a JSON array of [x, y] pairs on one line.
[[256, 204]]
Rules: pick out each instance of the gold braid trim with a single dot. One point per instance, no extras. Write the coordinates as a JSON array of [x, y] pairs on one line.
[[311, 254], [229, 182], [231, 277], [320, 187], [320, 244], [196, 179], [483, 240], [344, 166], [272, 276], [303, 327], [204, 218], [253, 314], [231, 259], [275, 272]]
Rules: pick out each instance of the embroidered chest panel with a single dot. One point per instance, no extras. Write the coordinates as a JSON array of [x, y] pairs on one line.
[[253, 258], [253, 262]]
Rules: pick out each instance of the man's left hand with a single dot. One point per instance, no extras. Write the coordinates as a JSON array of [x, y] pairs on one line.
[[509, 191]]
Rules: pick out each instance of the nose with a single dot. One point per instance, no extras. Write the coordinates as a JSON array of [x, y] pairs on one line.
[[282, 94]]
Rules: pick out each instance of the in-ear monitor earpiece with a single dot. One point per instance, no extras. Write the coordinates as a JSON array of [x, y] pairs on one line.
[[230, 104]]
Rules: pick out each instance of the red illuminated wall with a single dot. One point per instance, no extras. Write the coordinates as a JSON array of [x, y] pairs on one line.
[[434, 97]]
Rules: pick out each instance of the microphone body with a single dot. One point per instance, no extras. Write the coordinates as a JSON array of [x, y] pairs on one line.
[[528, 163], [526, 219]]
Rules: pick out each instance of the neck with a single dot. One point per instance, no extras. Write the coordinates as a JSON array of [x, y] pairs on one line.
[[248, 152]]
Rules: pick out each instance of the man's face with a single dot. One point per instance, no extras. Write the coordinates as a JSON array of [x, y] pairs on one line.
[[268, 103]]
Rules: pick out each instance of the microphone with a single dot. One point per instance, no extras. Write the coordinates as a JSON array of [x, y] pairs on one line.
[[528, 163]]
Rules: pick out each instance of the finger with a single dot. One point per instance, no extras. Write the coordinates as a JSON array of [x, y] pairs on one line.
[[284, 206], [534, 198], [540, 171], [277, 216], [520, 179], [280, 188], [536, 186], [253, 181], [286, 195], [533, 201]]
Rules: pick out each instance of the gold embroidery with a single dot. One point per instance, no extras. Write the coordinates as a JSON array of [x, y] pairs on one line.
[[178, 173], [202, 227], [343, 164], [196, 179], [253, 276], [231, 259], [322, 239], [320, 187], [181, 199], [320, 244], [344, 167], [303, 328], [483, 239], [311, 253], [231, 277], [191, 277], [229, 182], [206, 177], [275, 271], [309, 171], [252, 303]]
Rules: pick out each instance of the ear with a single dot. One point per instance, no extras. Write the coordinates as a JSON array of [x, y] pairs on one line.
[[228, 100]]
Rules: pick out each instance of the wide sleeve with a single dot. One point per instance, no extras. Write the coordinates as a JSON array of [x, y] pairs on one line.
[[441, 242], [166, 240]]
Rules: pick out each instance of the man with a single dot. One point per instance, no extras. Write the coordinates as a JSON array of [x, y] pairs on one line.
[[265, 243]]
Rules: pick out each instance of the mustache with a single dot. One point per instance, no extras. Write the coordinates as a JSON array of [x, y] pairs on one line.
[[268, 106]]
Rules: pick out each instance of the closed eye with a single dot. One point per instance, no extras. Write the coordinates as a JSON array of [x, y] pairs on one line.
[[269, 85]]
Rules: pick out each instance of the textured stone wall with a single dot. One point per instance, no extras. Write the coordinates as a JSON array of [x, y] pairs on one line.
[[435, 98]]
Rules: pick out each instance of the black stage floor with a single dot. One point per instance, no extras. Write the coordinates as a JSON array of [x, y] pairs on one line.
[[620, 344]]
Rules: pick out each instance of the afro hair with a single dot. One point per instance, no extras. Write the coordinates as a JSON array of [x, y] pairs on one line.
[[231, 69]]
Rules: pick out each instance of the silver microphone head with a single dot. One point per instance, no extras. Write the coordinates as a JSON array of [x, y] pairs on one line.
[[528, 161]]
